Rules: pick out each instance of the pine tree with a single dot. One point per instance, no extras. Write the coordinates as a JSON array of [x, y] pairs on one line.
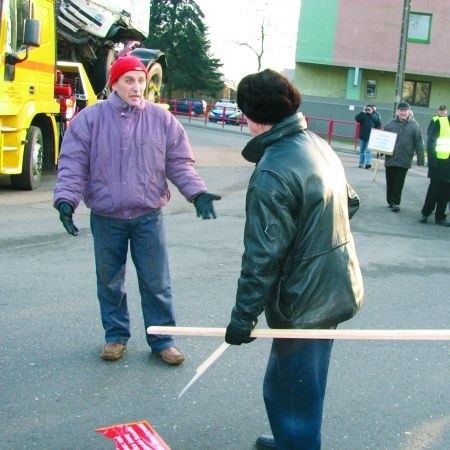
[[177, 28]]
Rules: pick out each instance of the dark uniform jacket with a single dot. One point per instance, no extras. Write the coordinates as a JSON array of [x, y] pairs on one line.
[[367, 121], [299, 262]]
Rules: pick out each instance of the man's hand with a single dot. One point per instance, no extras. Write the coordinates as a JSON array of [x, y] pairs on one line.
[[238, 336], [204, 205], [65, 215], [353, 201]]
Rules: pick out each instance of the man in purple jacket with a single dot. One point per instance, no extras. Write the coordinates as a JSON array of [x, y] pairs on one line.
[[118, 155]]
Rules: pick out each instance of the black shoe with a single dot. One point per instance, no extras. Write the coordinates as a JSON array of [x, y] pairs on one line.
[[389, 205], [423, 219], [395, 208], [443, 222], [367, 166], [265, 441]]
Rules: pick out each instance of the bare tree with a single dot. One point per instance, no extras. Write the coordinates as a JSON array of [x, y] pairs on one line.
[[259, 54]]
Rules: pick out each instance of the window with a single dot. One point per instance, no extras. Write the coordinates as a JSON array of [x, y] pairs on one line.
[[419, 28], [371, 88], [18, 12], [417, 93]]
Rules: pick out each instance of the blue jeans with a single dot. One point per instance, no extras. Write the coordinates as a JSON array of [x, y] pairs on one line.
[[294, 391], [148, 247], [365, 157]]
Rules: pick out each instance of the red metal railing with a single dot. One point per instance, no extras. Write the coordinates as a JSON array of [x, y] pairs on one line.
[[331, 128], [327, 128]]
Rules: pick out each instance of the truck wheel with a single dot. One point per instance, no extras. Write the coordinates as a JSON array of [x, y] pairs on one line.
[[99, 72], [33, 155], [154, 81]]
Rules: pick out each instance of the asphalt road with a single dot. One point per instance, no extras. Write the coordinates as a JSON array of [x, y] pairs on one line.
[[55, 391]]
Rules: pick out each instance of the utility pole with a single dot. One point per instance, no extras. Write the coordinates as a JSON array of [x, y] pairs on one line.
[[400, 76]]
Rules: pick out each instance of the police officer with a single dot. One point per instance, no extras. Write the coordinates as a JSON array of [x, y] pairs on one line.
[[438, 148], [442, 112]]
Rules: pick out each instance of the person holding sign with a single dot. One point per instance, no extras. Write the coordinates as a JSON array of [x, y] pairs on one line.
[[409, 142]]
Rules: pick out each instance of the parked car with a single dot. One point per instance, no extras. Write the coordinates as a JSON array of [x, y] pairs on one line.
[[225, 111], [187, 106]]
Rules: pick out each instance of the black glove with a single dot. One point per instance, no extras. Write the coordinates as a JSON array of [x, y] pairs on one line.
[[65, 215], [353, 201], [237, 336], [204, 205]]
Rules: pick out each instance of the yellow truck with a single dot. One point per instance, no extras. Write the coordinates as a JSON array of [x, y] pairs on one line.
[[54, 60]]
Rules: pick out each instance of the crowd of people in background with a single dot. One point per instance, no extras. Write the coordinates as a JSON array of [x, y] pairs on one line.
[[409, 143]]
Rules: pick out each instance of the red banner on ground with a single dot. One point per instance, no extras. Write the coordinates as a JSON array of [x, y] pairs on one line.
[[134, 436]]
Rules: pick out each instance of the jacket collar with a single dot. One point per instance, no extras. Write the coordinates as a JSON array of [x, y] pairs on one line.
[[408, 119], [122, 106], [255, 148]]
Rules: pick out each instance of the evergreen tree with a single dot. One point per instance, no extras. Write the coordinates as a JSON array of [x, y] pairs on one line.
[[176, 28]]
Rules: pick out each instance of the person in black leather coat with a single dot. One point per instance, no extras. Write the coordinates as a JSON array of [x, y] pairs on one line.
[[299, 264]]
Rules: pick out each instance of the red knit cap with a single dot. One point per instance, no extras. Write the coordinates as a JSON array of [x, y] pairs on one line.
[[125, 64]]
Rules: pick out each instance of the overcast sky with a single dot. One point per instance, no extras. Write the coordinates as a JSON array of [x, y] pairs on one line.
[[234, 21]]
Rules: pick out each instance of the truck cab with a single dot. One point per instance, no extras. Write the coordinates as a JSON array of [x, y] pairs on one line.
[[54, 60], [28, 108]]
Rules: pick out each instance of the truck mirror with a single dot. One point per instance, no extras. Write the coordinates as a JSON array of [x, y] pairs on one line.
[[32, 33], [31, 38]]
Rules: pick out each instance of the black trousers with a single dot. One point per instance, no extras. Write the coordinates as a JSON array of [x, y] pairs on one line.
[[438, 195], [395, 180]]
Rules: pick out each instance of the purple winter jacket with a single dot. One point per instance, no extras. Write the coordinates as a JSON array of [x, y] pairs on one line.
[[118, 159]]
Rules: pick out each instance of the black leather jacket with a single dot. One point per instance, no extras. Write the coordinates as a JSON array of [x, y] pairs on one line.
[[299, 262]]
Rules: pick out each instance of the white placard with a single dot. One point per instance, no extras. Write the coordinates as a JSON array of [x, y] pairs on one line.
[[382, 141]]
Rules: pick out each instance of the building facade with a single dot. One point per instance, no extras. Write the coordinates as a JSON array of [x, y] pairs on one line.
[[348, 54]]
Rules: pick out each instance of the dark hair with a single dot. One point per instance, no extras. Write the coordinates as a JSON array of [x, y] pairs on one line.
[[267, 97]]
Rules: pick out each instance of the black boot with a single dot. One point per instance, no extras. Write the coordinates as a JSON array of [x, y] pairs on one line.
[[265, 442]]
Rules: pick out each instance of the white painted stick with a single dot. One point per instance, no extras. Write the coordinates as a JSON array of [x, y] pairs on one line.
[[408, 335], [202, 368]]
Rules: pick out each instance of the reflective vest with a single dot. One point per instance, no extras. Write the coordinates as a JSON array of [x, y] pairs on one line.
[[443, 141]]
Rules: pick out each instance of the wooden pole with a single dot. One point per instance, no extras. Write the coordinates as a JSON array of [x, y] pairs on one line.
[[376, 167], [401, 63], [407, 335]]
